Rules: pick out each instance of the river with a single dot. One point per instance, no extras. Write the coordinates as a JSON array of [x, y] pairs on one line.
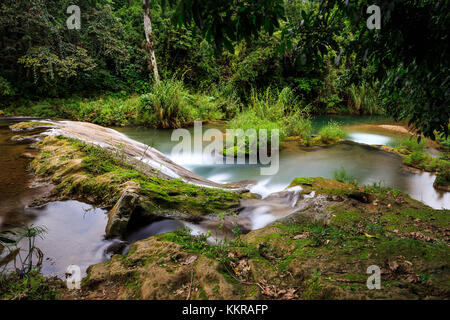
[[75, 230]]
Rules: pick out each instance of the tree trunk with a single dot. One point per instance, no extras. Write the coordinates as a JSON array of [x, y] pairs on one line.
[[149, 39]]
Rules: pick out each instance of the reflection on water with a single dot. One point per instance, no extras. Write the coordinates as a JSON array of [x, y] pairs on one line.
[[15, 191], [369, 138], [75, 235]]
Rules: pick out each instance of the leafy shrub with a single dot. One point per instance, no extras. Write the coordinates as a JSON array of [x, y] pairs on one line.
[[416, 158], [5, 88], [298, 124], [168, 102], [226, 99], [443, 176], [443, 141], [331, 133], [407, 146]]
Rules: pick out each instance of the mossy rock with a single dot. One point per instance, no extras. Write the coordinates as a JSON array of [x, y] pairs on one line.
[[87, 172], [28, 126]]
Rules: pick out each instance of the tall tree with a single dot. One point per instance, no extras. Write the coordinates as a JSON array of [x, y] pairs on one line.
[[149, 45]]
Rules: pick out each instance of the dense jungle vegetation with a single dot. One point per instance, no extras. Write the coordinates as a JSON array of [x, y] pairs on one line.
[[226, 59]]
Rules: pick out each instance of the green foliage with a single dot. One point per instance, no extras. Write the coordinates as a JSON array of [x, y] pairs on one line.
[[331, 133], [342, 176], [443, 176], [5, 88], [415, 158], [272, 110], [30, 286], [205, 107], [415, 68], [21, 240], [298, 124], [223, 22], [322, 50], [167, 103], [365, 99], [409, 145], [40, 56], [443, 140]]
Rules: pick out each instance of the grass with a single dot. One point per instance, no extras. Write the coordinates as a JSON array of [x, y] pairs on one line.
[[342, 176], [365, 99], [30, 286], [415, 156], [409, 145], [167, 105], [273, 110]]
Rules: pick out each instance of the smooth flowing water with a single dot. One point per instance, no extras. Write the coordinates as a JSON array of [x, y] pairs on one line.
[[365, 163]]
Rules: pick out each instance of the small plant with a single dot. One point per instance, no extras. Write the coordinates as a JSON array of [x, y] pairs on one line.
[[443, 177], [416, 158], [297, 123], [167, 104], [237, 231], [407, 146], [331, 133], [32, 260], [25, 282], [318, 236]]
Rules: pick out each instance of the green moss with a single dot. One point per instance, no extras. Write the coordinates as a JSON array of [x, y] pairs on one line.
[[323, 185], [30, 125], [331, 133], [133, 284], [31, 286]]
